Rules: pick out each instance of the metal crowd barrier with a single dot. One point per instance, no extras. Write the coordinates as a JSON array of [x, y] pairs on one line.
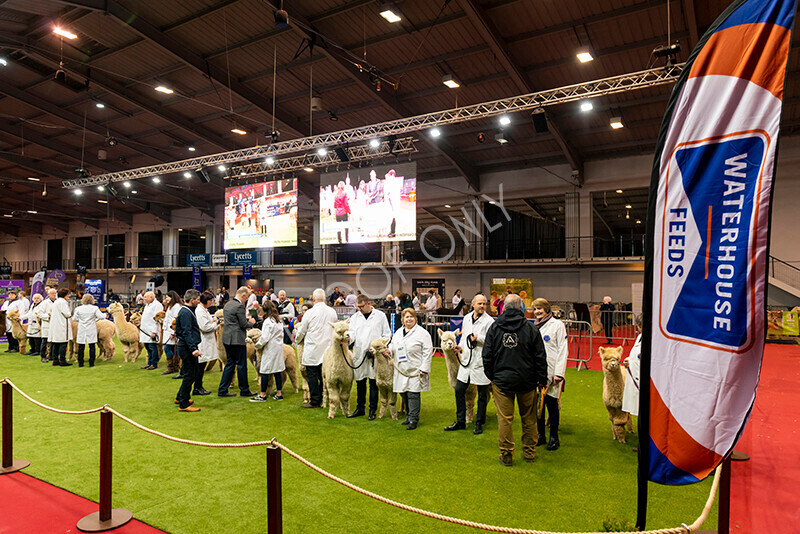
[[581, 343]]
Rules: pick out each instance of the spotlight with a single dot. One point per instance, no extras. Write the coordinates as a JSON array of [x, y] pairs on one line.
[[82, 173], [221, 168], [64, 33], [390, 15], [616, 123], [435, 132], [481, 137], [164, 89], [99, 105], [61, 74], [281, 19], [668, 51], [505, 120], [539, 121], [322, 152], [238, 131], [274, 135], [111, 141], [202, 174], [78, 192], [3, 62], [374, 143], [270, 161], [100, 188], [187, 174], [584, 55], [450, 82], [156, 180], [191, 149], [342, 154], [500, 137], [127, 185], [586, 106]]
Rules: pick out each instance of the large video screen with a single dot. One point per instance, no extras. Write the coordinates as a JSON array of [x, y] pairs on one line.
[[261, 215], [369, 205]]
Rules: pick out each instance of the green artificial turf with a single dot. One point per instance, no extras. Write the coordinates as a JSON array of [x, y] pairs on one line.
[[185, 489]]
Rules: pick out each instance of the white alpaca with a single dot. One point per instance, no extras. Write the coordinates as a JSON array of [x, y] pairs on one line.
[[127, 333], [337, 371], [451, 359], [384, 378]]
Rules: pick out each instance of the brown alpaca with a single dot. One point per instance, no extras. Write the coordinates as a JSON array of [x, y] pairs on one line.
[[337, 371], [19, 330], [384, 378], [613, 387], [127, 333], [451, 359]]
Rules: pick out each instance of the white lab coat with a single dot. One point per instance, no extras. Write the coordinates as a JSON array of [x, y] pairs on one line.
[[412, 353], [316, 333], [6, 304], [415, 302], [554, 335], [630, 396], [252, 302], [351, 300], [363, 332], [87, 316], [16, 304], [34, 329], [473, 373], [208, 338], [60, 324], [430, 304], [43, 313], [288, 311], [271, 343], [167, 331], [148, 324]]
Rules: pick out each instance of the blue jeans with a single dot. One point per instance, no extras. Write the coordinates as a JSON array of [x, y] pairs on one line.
[[152, 354], [169, 351]]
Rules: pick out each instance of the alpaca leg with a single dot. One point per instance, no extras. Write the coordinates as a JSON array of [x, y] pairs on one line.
[[333, 399], [23, 346], [629, 424], [325, 394], [293, 378], [384, 402], [472, 392], [344, 395], [393, 405]]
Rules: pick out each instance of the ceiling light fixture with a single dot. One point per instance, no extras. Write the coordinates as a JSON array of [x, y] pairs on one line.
[[134, 192], [627, 215], [308, 169], [450, 82], [616, 123], [221, 168], [99, 105], [332, 116], [32, 179], [619, 191], [586, 106], [127, 185], [501, 138], [447, 205], [163, 89], [187, 174], [390, 15], [238, 131], [374, 143], [322, 152], [33, 212], [3, 62], [270, 161], [111, 141], [156, 180], [505, 120], [281, 19], [435, 132], [64, 33], [8, 215], [628, 206], [191, 149], [638, 221], [78, 192], [304, 240], [584, 55], [100, 188], [102, 201]]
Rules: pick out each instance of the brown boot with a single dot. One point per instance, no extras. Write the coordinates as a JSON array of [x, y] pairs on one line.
[[170, 369]]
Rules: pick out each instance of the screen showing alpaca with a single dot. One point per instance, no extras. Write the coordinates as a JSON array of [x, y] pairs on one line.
[[369, 205], [262, 215]]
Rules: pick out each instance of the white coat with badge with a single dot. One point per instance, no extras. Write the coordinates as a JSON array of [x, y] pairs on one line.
[[363, 332], [412, 354], [42, 311], [271, 345], [148, 324], [167, 332], [554, 335], [87, 316], [316, 333], [60, 324], [34, 328], [630, 395], [473, 372], [208, 338]]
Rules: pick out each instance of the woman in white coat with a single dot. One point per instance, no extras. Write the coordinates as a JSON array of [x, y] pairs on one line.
[[87, 315], [172, 305], [60, 328], [554, 335], [43, 314], [412, 353], [630, 395], [208, 340], [271, 345], [34, 328]]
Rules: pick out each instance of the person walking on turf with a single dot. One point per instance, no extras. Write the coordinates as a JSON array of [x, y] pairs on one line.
[[234, 334], [554, 335], [150, 330], [87, 315], [271, 346], [412, 353], [470, 371], [514, 359], [188, 333], [60, 328], [366, 325], [316, 334]]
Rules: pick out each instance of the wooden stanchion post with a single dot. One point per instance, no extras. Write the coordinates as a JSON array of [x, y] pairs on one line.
[[107, 518], [724, 519], [274, 498], [9, 465]]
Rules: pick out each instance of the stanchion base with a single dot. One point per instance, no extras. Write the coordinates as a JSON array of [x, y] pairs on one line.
[[739, 456], [17, 465], [92, 523]]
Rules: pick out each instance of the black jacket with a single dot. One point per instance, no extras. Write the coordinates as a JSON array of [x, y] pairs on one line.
[[186, 329], [513, 354]]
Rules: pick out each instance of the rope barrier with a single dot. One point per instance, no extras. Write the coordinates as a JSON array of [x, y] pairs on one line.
[[683, 529]]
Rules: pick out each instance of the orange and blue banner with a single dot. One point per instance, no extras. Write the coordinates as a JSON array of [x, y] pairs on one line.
[[708, 234]]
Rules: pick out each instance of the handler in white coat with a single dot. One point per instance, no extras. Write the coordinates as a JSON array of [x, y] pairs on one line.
[[412, 353], [470, 371], [630, 395], [43, 311], [316, 334], [150, 330], [209, 325], [60, 328], [366, 325], [87, 315], [554, 335], [271, 345], [34, 328], [172, 306]]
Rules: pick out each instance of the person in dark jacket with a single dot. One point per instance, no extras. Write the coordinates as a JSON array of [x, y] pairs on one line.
[[514, 359], [234, 332], [607, 318], [188, 333]]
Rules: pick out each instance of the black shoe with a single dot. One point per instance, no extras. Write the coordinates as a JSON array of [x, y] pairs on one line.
[[478, 429], [405, 421], [541, 440], [411, 425], [201, 392], [247, 393], [554, 444], [226, 394], [65, 364], [371, 415], [357, 413], [56, 363], [80, 365], [455, 426], [177, 377]]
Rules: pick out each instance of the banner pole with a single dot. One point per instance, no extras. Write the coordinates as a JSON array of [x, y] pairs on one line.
[[724, 512]]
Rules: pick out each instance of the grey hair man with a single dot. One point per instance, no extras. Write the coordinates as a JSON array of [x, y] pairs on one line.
[[316, 334]]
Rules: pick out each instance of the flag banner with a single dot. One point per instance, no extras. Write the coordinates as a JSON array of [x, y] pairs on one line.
[[708, 233]]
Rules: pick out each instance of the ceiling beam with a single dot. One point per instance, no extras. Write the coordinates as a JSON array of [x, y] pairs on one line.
[[436, 215], [491, 35], [602, 220], [388, 101], [534, 208], [178, 50]]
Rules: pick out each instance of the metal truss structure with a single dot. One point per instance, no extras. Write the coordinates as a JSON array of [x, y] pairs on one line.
[[386, 149], [331, 141]]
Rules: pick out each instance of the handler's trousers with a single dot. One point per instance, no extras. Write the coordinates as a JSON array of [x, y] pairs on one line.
[[504, 403]]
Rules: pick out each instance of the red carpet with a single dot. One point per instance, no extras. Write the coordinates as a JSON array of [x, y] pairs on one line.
[[34, 507], [764, 490]]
